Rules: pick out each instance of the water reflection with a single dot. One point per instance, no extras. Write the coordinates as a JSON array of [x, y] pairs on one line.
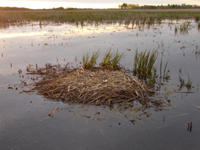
[[14, 35]]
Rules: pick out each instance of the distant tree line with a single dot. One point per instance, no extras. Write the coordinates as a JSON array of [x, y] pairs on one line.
[[22, 8], [62, 8], [169, 6], [13, 8]]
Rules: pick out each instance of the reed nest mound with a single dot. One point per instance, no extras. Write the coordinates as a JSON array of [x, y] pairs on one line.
[[92, 86]]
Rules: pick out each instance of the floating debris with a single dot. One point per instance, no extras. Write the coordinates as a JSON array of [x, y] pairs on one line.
[[54, 111], [198, 107], [19, 71]]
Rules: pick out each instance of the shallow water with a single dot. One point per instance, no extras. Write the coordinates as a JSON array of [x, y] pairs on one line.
[[24, 120]]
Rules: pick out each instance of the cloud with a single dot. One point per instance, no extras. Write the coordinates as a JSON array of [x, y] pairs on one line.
[[142, 2], [80, 1]]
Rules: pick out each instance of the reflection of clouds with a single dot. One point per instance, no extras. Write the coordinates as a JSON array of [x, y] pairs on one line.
[[20, 34]]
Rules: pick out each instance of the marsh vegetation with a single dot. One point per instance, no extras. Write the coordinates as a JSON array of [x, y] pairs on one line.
[[80, 16]]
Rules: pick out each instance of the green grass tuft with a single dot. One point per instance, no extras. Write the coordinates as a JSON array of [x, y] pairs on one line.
[[90, 62], [144, 65], [112, 60]]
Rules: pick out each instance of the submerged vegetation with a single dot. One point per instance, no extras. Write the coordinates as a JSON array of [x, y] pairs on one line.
[[176, 30], [187, 84], [183, 83], [184, 28]]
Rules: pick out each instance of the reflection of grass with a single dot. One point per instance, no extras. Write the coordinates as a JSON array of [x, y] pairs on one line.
[[164, 72], [166, 75], [176, 30], [182, 82], [184, 28], [189, 83], [199, 26]]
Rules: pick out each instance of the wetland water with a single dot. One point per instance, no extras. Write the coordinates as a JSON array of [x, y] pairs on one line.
[[24, 120]]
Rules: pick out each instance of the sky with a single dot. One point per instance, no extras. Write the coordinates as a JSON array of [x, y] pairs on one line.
[[40, 4]]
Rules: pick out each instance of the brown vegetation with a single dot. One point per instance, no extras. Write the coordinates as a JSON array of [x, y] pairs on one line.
[[96, 86]]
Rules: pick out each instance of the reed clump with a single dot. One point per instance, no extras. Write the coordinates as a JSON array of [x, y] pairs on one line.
[[90, 62], [112, 60], [144, 65]]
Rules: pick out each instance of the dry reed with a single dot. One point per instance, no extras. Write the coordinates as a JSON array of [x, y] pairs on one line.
[[96, 86]]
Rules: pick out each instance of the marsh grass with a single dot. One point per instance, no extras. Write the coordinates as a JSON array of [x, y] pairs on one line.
[[112, 60], [127, 23], [74, 16], [166, 95], [144, 65], [89, 62], [183, 83], [188, 84], [184, 28], [197, 18], [176, 30], [164, 72]]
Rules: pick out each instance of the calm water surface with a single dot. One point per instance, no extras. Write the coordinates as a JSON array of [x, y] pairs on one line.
[[24, 120]]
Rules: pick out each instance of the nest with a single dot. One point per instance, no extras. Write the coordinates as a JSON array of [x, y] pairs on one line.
[[93, 86]]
